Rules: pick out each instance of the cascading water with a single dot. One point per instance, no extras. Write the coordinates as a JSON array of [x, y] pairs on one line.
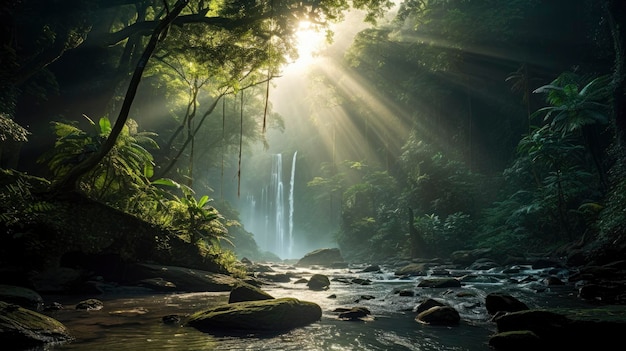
[[271, 217], [277, 207], [292, 183]]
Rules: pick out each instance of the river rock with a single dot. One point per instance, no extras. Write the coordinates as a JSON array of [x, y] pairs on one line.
[[22, 328], [246, 292], [24, 297], [427, 304], [439, 315], [412, 269], [371, 268], [90, 305], [467, 257], [185, 279], [267, 315], [355, 313], [499, 302], [318, 282], [440, 283], [321, 257]]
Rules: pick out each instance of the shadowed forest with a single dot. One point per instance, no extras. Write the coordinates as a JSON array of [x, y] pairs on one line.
[[439, 126]]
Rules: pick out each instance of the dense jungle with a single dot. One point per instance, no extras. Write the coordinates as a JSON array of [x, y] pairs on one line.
[[200, 133]]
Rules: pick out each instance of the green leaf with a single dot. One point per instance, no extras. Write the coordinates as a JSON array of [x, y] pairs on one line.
[[105, 126], [166, 182], [203, 200], [148, 170]]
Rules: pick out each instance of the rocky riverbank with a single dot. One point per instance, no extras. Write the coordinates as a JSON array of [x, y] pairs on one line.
[[439, 296]]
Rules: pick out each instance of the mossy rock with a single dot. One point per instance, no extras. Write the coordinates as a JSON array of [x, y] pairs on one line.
[[21, 327], [266, 315]]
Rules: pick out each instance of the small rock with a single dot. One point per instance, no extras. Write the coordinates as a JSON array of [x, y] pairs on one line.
[[90, 305], [355, 313]]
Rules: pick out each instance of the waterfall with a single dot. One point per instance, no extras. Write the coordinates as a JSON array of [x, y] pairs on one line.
[[277, 208], [292, 183], [270, 217]]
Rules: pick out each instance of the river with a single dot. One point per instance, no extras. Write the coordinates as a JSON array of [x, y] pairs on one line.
[[134, 321]]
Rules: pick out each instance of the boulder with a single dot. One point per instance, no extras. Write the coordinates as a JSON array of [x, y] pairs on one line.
[[371, 268], [22, 328], [439, 315], [24, 297], [90, 305], [412, 269], [499, 302], [355, 313], [440, 283], [266, 315], [185, 279], [428, 304], [322, 257], [467, 257], [246, 292], [318, 282]]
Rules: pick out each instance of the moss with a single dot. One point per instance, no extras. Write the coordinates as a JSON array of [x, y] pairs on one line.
[[276, 314], [21, 326]]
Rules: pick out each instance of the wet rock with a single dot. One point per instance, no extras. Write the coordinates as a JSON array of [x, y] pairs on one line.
[[323, 257], [439, 283], [552, 281], [406, 293], [24, 297], [427, 304], [157, 284], [172, 319], [483, 264], [355, 313], [413, 269], [318, 282], [246, 292], [22, 328], [499, 302], [185, 279], [467, 257], [372, 268], [301, 281], [267, 315], [90, 305], [54, 306], [364, 297], [361, 281], [439, 315], [276, 278]]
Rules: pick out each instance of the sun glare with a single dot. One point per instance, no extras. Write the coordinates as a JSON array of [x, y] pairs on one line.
[[310, 41]]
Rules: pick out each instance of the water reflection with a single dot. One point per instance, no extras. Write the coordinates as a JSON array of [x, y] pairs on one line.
[[135, 322]]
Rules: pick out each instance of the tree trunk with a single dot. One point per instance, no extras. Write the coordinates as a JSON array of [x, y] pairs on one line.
[[69, 182]]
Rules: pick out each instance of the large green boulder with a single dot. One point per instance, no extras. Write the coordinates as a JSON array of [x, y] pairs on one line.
[[23, 328], [264, 315]]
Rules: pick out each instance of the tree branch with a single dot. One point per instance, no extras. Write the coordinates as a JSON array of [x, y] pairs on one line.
[[69, 182]]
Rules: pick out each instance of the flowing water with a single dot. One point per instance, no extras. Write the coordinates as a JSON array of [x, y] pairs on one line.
[[134, 322]]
